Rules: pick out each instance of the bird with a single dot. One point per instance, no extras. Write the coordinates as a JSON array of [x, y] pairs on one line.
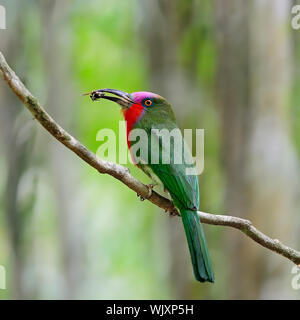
[[151, 112]]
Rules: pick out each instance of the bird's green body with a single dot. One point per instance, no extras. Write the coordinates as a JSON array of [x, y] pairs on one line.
[[151, 112], [183, 188]]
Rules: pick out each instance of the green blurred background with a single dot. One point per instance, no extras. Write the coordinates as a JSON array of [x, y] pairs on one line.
[[230, 67]]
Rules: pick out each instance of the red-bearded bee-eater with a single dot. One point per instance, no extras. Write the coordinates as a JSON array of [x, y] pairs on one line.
[[149, 111]]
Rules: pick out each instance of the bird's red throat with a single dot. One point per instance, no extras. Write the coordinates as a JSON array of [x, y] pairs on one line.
[[132, 115]]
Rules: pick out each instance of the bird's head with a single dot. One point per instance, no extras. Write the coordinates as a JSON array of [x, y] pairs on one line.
[[126, 100], [135, 105]]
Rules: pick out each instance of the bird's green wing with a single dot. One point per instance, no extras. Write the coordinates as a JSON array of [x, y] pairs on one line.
[[183, 188]]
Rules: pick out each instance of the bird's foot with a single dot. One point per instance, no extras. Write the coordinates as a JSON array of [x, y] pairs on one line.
[[172, 211], [150, 189]]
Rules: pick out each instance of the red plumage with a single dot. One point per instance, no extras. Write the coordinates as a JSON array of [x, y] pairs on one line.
[[131, 116]]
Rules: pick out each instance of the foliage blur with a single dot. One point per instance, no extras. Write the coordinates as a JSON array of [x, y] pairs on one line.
[[230, 67]]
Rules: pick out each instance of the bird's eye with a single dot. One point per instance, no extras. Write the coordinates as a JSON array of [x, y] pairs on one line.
[[148, 103]]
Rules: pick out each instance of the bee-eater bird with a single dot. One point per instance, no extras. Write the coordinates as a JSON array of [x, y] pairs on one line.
[[148, 111]]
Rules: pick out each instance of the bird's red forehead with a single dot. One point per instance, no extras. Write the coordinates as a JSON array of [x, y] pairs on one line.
[[141, 95]]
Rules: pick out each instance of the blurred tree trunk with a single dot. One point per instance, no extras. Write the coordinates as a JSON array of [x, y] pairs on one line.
[[17, 138], [17, 152], [259, 160], [163, 34], [56, 53], [295, 110], [164, 25]]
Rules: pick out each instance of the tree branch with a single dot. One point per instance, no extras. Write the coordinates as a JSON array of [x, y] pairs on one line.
[[121, 173]]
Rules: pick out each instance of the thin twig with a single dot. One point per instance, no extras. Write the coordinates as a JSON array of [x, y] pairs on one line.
[[121, 173]]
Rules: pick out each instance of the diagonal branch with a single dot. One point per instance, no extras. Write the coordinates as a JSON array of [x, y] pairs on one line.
[[121, 173]]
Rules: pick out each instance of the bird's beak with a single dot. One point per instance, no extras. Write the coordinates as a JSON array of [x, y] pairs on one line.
[[122, 98]]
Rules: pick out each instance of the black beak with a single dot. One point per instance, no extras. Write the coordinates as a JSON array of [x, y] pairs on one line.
[[123, 98]]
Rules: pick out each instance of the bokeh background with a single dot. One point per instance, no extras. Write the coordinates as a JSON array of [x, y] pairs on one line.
[[230, 67]]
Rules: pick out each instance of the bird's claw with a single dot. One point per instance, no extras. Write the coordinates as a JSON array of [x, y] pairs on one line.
[[141, 198], [150, 189], [172, 211]]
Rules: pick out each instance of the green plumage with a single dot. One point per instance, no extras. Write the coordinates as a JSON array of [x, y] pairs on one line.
[[183, 188], [197, 245]]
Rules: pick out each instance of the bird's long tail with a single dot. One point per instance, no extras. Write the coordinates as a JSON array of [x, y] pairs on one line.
[[197, 245]]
